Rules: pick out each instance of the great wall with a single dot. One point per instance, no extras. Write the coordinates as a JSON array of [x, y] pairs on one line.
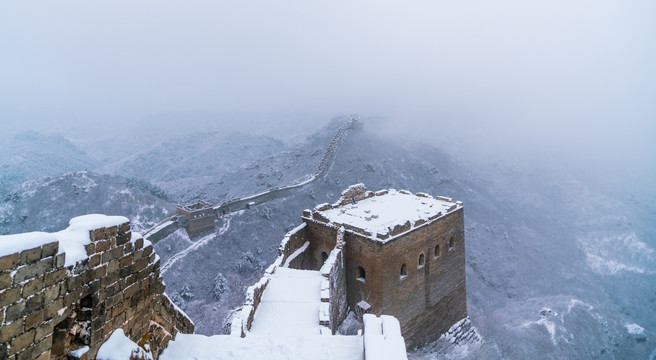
[[179, 220], [66, 294]]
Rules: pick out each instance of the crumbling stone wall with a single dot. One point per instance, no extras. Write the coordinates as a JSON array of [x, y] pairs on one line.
[[333, 289], [48, 309]]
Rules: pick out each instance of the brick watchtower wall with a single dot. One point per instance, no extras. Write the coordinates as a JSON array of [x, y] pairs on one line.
[[412, 267], [432, 295], [48, 309], [200, 217]]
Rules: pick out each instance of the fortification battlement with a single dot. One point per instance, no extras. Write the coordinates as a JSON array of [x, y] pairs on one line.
[[195, 208], [67, 291], [382, 215]]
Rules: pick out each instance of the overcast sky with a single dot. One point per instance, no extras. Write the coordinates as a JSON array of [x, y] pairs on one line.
[[578, 75]]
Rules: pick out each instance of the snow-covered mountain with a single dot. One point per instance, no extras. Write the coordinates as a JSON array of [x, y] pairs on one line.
[[48, 203], [30, 155], [555, 269]]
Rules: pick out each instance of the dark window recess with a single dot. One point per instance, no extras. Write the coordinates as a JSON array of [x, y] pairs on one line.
[[361, 273]]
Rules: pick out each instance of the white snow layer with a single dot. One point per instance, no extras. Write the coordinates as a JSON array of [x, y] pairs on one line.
[[10, 244], [634, 329], [380, 214], [225, 347], [120, 347], [72, 240], [290, 304]]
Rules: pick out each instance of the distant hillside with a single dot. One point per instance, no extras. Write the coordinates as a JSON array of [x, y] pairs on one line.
[[47, 204], [30, 155], [218, 167]]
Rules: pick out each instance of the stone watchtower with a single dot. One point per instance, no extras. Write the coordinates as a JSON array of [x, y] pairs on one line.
[[200, 217], [404, 255]]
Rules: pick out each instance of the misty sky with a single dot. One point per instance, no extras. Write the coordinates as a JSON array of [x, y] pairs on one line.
[[566, 75]]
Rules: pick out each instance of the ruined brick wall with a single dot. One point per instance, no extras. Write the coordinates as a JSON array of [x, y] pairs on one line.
[[49, 309], [32, 288], [335, 283], [431, 296]]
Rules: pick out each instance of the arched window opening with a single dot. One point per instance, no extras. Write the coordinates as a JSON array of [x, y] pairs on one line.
[[324, 257], [361, 273], [452, 244], [437, 251], [404, 271], [420, 263]]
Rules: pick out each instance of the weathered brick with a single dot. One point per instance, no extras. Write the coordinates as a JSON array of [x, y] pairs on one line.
[[29, 256], [51, 293], [44, 356], [131, 279], [94, 260], [140, 265], [128, 248], [33, 270], [53, 308], [126, 260], [139, 243], [126, 271], [124, 228], [122, 238], [111, 231], [97, 234], [50, 249], [15, 311], [98, 321], [147, 250], [60, 260], [113, 300], [5, 280], [90, 248], [102, 245], [112, 254], [34, 303], [8, 261], [26, 354], [113, 266], [43, 345], [44, 329], [54, 277], [120, 308], [22, 341], [9, 296], [129, 291], [34, 318], [9, 331], [109, 279], [97, 337], [32, 286]]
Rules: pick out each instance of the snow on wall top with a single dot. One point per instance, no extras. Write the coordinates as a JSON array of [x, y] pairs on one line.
[[384, 214], [10, 244], [72, 240]]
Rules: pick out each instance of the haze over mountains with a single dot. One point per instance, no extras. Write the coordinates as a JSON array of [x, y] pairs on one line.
[[555, 267]]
